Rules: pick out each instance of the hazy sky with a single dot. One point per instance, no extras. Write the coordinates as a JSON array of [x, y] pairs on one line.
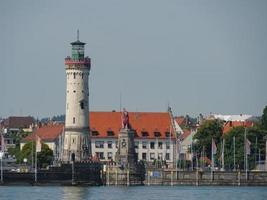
[[199, 56]]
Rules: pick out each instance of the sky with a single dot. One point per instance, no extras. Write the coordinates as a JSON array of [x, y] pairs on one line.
[[198, 56]]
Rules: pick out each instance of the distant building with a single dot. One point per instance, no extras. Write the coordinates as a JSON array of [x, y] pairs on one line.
[[12, 126], [228, 125], [241, 117], [231, 121], [51, 134]]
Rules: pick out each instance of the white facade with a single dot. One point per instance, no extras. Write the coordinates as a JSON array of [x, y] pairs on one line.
[[146, 149], [76, 137]]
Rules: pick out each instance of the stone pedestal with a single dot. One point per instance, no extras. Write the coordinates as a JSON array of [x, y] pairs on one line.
[[126, 156]]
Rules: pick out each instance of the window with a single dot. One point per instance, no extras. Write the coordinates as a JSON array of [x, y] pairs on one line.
[[82, 75], [73, 120], [74, 91], [152, 156], [110, 144], [152, 145], [109, 155], [160, 156], [167, 157], [99, 144], [116, 144], [160, 145], [167, 134], [157, 134], [100, 155], [144, 134], [167, 145], [110, 133], [95, 133], [82, 105], [143, 156], [144, 144], [74, 75], [136, 145]]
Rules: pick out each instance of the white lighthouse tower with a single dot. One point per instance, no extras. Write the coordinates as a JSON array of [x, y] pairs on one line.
[[76, 137]]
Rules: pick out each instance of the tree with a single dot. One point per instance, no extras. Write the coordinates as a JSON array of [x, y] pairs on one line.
[[208, 130], [238, 133], [264, 118], [44, 157]]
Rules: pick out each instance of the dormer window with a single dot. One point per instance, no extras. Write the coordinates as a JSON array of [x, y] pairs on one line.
[[167, 134], [95, 132], [144, 134], [110, 133], [157, 134]]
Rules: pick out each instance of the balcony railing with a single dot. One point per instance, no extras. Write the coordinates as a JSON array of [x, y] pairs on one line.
[[85, 61]]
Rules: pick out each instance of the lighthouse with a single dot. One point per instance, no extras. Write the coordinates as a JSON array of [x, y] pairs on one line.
[[76, 132]]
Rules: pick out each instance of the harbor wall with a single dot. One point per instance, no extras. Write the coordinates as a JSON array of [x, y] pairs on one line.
[[198, 178]]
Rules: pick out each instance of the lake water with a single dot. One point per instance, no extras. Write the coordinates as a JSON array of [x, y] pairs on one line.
[[131, 193]]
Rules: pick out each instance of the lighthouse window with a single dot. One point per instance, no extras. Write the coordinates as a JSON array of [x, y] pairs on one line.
[[82, 105], [73, 120]]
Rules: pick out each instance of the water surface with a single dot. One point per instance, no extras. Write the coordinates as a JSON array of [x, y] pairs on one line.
[[132, 193]]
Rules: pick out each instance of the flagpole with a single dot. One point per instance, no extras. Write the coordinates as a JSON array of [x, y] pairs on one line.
[[35, 170], [223, 142], [234, 153], [212, 160], [255, 154], [246, 153]]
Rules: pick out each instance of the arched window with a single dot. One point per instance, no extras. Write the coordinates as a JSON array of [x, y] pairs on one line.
[[74, 75], [73, 120]]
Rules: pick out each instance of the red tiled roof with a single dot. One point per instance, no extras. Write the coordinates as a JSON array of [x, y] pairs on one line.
[[231, 124], [46, 133], [149, 122], [104, 122], [181, 121]]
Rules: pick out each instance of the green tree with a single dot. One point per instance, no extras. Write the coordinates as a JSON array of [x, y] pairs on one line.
[[253, 134], [264, 118], [44, 157], [208, 130]]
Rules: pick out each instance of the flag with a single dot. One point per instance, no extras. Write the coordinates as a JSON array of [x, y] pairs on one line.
[[38, 144], [213, 147], [248, 143]]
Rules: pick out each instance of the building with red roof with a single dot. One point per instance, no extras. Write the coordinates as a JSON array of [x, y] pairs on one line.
[[229, 125], [154, 137]]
